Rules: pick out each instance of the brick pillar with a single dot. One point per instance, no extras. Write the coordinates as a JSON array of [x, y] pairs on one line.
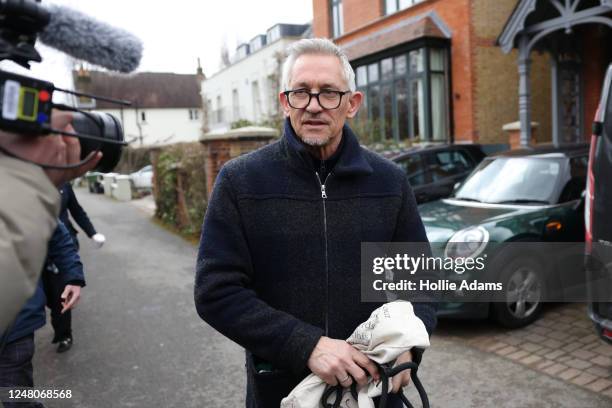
[[514, 134], [222, 147]]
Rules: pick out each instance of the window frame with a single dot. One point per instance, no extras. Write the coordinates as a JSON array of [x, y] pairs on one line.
[[425, 44], [332, 20], [398, 8]]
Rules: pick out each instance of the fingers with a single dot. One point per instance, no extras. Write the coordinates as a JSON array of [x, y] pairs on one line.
[[337, 362], [357, 374], [364, 362], [71, 296], [73, 148], [60, 119], [91, 161], [399, 381], [344, 380]]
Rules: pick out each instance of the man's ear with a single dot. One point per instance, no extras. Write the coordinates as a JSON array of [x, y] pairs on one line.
[[282, 98], [355, 101]]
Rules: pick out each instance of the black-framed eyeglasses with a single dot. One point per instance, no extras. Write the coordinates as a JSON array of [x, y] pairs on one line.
[[327, 99]]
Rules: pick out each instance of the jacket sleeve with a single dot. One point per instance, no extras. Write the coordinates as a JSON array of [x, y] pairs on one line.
[[28, 216], [64, 254], [78, 214], [409, 228], [224, 297]]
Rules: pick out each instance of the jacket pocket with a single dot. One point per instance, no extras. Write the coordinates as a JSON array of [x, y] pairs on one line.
[[267, 385]]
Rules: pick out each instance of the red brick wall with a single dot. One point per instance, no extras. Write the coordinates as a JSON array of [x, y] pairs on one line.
[[320, 18], [358, 13], [363, 17], [218, 152]]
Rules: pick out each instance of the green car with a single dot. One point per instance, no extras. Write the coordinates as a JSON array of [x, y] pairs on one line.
[[529, 195]]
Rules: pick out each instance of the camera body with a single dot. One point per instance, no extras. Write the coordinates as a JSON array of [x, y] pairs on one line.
[[25, 104]]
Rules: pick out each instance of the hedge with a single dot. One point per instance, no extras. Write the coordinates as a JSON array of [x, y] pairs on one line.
[[179, 187]]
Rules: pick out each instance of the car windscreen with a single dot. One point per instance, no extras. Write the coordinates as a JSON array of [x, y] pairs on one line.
[[513, 180]]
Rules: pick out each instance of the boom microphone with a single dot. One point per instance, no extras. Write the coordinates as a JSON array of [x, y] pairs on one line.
[[88, 39]]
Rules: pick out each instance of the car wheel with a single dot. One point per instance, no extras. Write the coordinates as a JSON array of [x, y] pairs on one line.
[[520, 302]]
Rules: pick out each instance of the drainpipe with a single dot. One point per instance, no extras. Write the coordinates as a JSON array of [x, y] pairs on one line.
[[524, 91]]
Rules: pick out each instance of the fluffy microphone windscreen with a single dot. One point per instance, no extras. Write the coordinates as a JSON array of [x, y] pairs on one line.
[[86, 38]]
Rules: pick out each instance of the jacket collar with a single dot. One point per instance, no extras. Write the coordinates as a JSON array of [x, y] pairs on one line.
[[350, 163]]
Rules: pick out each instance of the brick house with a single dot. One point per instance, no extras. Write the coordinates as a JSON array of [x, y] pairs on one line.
[[433, 70]]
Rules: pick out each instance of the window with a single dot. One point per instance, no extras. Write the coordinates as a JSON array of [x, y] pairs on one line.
[[257, 43], [413, 167], [273, 34], [219, 111], [235, 105], [447, 164], [406, 95], [337, 18], [242, 51], [391, 6], [194, 114], [575, 186]]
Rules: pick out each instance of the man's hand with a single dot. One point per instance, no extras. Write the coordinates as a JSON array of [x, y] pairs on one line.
[[336, 361], [402, 379], [53, 150], [70, 297]]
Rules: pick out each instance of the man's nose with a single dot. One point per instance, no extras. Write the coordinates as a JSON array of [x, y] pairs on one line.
[[313, 105]]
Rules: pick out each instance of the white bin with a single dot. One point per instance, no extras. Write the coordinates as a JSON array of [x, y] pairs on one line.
[[107, 183], [123, 190]]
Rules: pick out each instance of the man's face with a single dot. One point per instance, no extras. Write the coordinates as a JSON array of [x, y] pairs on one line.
[[313, 124]]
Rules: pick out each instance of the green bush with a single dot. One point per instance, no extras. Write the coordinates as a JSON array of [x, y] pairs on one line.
[[180, 187], [240, 123]]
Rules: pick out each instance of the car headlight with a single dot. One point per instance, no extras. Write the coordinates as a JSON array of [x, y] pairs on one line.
[[467, 243]]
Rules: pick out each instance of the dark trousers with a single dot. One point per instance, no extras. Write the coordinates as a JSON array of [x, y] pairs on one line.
[[16, 368], [62, 323]]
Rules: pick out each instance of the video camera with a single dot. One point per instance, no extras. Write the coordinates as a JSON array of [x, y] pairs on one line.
[[26, 103]]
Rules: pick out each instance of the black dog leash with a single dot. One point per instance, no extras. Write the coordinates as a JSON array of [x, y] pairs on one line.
[[386, 373]]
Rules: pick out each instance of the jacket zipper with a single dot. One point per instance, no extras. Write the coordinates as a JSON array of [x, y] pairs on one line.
[[324, 197]]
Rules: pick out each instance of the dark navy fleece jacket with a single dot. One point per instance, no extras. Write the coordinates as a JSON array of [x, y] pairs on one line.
[[279, 265], [63, 253]]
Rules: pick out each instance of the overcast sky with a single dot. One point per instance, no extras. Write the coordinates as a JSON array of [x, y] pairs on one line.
[[176, 32]]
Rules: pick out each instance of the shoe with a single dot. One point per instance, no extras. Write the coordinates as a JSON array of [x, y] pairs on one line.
[[64, 345]]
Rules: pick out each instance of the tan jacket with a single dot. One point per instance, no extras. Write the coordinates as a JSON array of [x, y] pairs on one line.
[[29, 207]]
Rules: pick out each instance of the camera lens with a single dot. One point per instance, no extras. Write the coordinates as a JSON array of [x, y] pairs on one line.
[[102, 125]]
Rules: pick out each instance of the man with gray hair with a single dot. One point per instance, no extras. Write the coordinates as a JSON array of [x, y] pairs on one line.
[[278, 268]]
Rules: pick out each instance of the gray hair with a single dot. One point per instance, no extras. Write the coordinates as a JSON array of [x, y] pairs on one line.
[[316, 46]]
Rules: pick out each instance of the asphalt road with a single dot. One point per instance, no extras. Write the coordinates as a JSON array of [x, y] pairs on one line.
[[140, 343]]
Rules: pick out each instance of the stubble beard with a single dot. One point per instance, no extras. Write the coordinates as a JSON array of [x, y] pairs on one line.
[[316, 141]]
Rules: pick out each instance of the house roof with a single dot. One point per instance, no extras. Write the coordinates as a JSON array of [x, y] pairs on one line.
[[144, 90], [421, 26]]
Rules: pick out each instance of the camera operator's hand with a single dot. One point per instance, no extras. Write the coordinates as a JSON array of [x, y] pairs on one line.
[[53, 150]]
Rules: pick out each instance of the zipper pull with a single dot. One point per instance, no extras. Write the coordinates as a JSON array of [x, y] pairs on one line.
[[323, 194]]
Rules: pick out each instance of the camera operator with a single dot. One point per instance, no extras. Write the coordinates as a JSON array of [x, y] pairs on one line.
[[17, 343], [30, 206]]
